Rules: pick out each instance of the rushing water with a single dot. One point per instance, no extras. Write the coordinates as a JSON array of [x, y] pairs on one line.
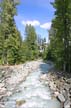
[[32, 93]]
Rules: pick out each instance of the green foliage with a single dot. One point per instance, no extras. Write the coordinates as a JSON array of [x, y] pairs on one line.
[[31, 47], [10, 39], [13, 50], [47, 55], [60, 35]]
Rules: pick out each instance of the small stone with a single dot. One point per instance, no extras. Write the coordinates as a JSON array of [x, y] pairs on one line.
[[70, 90], [65, 94], [1, 85], [67, 104], [2, 90], [46, 83], [9, 93], [20, 102], [2, 106], [56, 94], [43, 77]]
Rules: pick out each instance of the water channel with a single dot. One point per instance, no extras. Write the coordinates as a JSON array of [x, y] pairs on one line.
[[32, 93]]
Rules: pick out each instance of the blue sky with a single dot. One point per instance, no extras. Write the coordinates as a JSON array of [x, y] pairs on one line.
[[38, 13]]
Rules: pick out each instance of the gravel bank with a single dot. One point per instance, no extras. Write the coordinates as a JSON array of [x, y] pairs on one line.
[[60, 84]]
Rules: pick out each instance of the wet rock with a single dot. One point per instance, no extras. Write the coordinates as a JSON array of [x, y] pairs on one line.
[[43, 77], [67, 104], [65, 94], [2, 89], [68, 81], [61, 98], [20, 102], [2, 106], [56, 94], [46, 82], [1, 85], [52, 86], [70, 90], [9, 93]]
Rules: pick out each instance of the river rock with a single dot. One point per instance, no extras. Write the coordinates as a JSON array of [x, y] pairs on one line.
[[46, 82], [1, 85], [52, 86], [67, 104], [20, 103], [61, 98], [43, 77], [9, 93], [2, 106], [56, 94], [65, 94], [2, 90]]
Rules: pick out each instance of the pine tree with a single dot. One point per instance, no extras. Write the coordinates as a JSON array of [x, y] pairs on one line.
[[31, 40], [10, 34], [60, 40]]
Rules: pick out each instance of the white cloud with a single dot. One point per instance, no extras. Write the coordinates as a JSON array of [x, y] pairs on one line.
[[37, 23], [33, 23], [46, 25]]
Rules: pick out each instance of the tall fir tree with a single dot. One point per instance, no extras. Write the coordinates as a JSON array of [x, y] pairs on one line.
[[31, 40], [60, 40], [9, 33]]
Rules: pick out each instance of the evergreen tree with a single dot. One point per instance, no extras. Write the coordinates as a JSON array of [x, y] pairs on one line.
[[9, 33], [31, 40], [60, 40]]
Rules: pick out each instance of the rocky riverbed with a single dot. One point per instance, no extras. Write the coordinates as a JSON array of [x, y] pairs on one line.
[[12, 76], [60, 83], [21, 87]]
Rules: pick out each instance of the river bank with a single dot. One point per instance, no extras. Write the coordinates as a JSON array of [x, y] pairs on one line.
[[60, 83], [12, 76]]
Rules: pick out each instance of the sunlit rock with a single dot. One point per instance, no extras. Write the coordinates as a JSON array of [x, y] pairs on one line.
[[20, 102]]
